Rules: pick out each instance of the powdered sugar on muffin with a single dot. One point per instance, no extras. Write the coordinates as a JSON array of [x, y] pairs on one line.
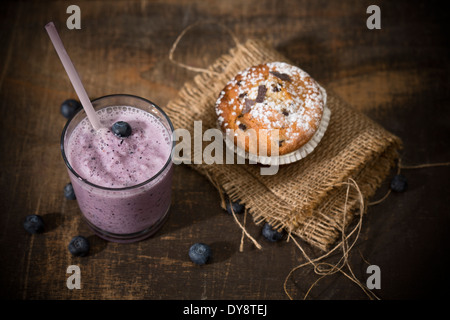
[[276, 97]]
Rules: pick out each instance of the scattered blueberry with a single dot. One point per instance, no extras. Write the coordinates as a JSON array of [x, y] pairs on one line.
[[69, 193], [79, 246], [399, 183], [70, 107], [235, 205], [200, 253], [270, 234], [34, 223], [121, 129]]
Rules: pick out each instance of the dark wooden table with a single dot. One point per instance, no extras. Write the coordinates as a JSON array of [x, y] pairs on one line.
[[398, 75]]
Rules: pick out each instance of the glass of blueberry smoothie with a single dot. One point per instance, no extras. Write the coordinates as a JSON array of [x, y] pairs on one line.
[[122, 173]]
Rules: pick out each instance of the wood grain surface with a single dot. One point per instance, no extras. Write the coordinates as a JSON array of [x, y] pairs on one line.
[[398, 75]]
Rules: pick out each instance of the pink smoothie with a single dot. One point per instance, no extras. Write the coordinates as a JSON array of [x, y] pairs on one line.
[[111, 162]]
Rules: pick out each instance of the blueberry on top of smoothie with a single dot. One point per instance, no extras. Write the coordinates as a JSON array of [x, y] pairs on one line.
[[121, 129]]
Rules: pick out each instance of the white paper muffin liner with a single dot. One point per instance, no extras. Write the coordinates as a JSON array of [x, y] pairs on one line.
[[294, 156]]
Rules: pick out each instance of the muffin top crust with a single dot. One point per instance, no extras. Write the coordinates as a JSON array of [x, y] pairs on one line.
[[280, 103]]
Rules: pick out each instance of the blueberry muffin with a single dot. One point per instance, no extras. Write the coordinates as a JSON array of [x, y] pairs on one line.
[[270, 109]]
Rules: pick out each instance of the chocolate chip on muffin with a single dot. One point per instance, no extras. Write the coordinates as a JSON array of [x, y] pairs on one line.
[[277, 97]]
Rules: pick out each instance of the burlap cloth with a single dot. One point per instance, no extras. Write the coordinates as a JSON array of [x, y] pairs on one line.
[[306, 198]]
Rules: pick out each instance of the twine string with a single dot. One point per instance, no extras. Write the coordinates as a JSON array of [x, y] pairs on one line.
[[223, 203], [241, 248], [326, 269], [182, 34], [400, 166], [425, 165]]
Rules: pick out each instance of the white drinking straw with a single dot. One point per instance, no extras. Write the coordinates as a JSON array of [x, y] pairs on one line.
[[73, 75]]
